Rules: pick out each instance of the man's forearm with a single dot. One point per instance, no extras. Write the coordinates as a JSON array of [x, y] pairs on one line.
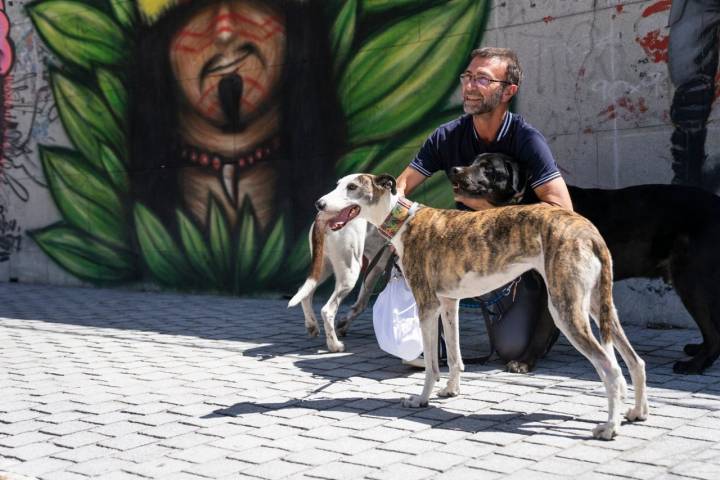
[[408, 180]]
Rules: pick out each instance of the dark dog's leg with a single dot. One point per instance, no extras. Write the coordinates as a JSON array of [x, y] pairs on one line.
[[702, 304]]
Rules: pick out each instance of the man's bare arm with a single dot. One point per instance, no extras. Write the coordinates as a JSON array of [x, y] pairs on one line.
[[555, 192], [408, 180]]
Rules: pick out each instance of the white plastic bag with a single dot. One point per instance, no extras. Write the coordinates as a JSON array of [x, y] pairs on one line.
[[395, 319]]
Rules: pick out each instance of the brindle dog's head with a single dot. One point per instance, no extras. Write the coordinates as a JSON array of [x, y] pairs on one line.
[[496, 177], [354, 194]]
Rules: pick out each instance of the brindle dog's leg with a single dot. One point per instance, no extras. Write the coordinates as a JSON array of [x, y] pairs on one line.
[[429, 326], [451, 326]]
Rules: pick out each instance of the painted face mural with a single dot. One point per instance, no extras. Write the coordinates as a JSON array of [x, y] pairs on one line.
[[206, 129]]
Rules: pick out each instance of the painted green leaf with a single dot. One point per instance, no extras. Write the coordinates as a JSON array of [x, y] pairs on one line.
[[246, 244], [357, 160], [342, 33], [79, 33], [86, 200], [272, 253], [159, 252], [383, 94], [124, 12], [86, 119], [397, 154], [115, 169], [114, 92], [84, 256], [382, 6], [195, 247], [219, 238]]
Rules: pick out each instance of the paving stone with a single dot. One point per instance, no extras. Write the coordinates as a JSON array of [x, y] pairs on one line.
[[258, 454], [315, 456], [219, 468], [499, 463], [565, 465], [39, 466], [275, 469], [440, 461], [402, 470]]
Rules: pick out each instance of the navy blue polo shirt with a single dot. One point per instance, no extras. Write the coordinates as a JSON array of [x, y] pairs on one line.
[[456, 144]]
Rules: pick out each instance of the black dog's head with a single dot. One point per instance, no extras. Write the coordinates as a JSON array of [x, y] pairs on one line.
[[496, 177]]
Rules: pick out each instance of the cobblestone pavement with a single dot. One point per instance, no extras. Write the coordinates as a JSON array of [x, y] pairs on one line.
[[127, 385]]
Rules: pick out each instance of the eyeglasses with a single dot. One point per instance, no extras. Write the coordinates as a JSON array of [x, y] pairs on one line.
[[467, 78]]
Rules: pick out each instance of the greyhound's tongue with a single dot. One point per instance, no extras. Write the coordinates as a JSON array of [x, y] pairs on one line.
[[339, 221]]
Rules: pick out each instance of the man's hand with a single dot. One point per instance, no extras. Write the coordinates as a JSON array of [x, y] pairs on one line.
[[474, 203]]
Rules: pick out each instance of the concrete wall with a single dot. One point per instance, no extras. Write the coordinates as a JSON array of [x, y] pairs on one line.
[[596, 84]]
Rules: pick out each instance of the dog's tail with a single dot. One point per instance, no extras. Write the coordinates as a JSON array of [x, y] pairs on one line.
[[608, 319], [317, 243]]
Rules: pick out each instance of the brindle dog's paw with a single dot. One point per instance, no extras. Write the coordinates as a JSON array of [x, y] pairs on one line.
[[693, 349], [515, 366], [312, 330], [694, 366], [414, 401], [605, 431]]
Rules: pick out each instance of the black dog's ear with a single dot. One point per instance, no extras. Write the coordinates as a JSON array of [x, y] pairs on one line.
[[385, 181], [518, 178]]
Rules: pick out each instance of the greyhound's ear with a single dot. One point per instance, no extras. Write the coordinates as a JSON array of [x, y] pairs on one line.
[[385, 181]]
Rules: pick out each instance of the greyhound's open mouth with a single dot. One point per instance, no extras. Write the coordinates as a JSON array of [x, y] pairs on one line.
[[342, 218]]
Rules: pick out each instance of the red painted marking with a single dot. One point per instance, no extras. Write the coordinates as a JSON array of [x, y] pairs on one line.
[[588, 130], [657, 7], [655, 46], [581, 73], [619, 8], [548, 19]]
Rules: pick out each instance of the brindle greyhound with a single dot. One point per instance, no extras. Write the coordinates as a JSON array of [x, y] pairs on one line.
[[653, 231], [447, 255]]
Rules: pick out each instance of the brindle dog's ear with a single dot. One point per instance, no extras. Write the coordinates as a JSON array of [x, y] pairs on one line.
[[386, 182]]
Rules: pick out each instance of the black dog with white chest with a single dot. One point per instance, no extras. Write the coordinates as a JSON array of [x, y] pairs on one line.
[[652, 231]]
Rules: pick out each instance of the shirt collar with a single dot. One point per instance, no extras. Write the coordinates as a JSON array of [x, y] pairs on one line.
[[502, 132]]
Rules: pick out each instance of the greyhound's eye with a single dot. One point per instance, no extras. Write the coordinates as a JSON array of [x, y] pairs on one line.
[[352, 186]]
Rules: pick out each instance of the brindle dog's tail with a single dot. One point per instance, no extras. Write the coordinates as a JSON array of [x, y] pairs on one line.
[[317, 244], [607, 316]]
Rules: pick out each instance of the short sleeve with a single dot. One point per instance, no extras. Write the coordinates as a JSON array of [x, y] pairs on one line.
[[427, 161], [536, 155]]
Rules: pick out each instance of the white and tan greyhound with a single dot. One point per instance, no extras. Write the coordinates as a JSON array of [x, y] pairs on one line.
[[447, 255]]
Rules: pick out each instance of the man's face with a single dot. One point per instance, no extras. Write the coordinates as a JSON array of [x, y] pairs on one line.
[[478, 99], [238, 40]]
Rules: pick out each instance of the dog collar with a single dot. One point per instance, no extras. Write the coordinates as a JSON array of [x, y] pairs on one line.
[[399, 214]]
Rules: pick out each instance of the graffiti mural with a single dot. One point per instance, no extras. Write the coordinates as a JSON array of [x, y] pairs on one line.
[[201, 132]]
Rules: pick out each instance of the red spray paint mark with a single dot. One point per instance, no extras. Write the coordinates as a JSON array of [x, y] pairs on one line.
[[581, 72], [548, 19], [587, 130], [625, 108], [619, 8], [655, 46], [657, 7]]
